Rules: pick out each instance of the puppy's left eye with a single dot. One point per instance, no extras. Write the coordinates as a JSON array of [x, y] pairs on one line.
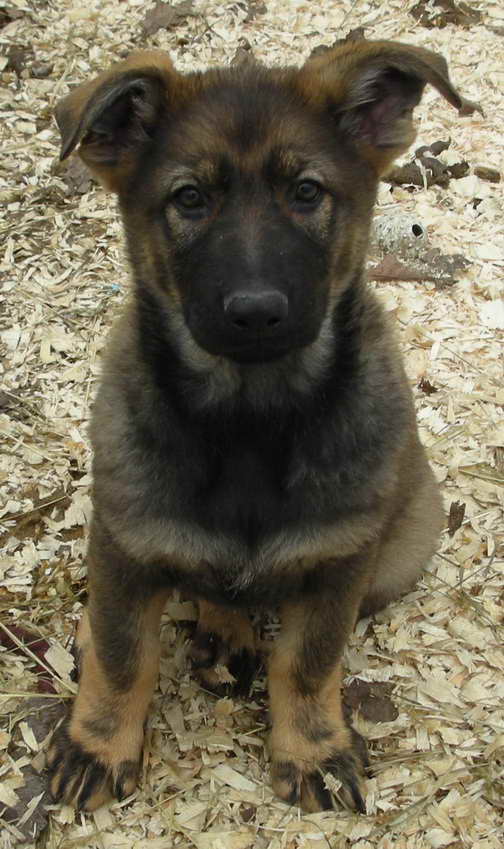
[[307, 192], [189, 198]]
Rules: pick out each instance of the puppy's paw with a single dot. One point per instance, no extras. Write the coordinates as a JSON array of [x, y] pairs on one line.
[[223, 664], [308, 783], [80, 777]]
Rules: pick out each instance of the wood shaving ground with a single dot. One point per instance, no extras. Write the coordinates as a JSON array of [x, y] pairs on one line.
[[438, 767]]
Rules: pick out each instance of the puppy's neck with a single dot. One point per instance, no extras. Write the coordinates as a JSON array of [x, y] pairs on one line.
[[216, 380]]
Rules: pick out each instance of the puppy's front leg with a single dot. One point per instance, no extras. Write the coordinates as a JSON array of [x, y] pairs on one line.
[[96, 752], [309, 736]]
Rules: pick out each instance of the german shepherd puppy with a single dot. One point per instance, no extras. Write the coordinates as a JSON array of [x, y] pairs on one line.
[[254, 434]]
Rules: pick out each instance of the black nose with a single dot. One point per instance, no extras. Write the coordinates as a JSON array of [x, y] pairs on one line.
[[256, 311]]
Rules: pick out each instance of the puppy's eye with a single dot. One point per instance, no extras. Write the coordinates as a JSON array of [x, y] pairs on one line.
[[189, 197], [307, 192]]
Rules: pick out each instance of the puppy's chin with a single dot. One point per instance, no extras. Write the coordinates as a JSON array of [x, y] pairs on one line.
[[258, 352], [257, 355]]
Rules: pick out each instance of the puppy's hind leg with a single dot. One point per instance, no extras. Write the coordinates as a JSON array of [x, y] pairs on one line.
[[409, 544], [223, 650]]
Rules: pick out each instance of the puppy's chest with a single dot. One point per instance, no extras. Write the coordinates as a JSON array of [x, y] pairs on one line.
[[240, 519], [246, 493]]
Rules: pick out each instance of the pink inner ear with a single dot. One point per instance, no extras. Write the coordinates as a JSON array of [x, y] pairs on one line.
[[378, 120]]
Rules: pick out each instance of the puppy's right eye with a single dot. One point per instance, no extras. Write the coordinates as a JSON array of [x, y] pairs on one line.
[[307, 192], [189, 198]]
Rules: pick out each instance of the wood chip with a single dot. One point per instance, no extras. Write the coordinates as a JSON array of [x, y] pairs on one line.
[[233, 778]]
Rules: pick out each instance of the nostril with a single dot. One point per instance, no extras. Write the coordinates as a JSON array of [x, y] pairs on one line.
[[241, 323], [256, 312]]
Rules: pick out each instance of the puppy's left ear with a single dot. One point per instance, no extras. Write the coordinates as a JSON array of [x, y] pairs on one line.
[[371, 89]]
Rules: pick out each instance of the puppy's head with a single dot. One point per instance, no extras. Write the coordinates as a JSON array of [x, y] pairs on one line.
[[247, 192]]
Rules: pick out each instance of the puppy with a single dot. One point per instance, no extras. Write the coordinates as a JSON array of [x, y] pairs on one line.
[[254, 435]]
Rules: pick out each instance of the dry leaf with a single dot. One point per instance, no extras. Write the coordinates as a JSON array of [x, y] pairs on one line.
[[9, 13], [440, 13], [166, 15], [357, 34], [390, 269], [372, 700], [426, 386], [489, 174], [255, 8], [77, 176], [455, 516]]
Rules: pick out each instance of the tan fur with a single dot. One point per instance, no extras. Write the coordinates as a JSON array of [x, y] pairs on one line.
[[233, 626], [97, 703], [288, 742], [232, 631]]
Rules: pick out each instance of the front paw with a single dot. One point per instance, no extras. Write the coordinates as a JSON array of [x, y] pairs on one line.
[[85, 779], [307, 781]]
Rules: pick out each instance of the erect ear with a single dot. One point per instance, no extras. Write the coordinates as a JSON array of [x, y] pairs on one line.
[[114, 116], [371, 89]]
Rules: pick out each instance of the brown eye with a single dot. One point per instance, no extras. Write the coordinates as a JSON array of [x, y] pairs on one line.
[[189, 197], [308, 191]]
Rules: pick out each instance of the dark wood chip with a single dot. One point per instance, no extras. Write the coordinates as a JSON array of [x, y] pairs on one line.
[[455, 516], [489, 174], [357, 34]]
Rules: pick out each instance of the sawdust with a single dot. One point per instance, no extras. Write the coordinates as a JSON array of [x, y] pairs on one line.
[[438, 765]]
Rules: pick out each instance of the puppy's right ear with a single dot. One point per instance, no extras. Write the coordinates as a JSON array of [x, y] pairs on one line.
[[114, 117]]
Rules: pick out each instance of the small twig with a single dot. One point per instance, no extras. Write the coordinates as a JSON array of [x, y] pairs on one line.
[[383, 277], [36, 695], [24, 648], [15, 516], [350, 12], [482, 475], [26, 404]]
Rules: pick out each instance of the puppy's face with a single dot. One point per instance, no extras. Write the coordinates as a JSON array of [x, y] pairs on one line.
[[248, 212], [247, 192]]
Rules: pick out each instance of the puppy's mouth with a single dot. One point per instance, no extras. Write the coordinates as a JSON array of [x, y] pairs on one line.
[[244, 347], [258, 351]]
